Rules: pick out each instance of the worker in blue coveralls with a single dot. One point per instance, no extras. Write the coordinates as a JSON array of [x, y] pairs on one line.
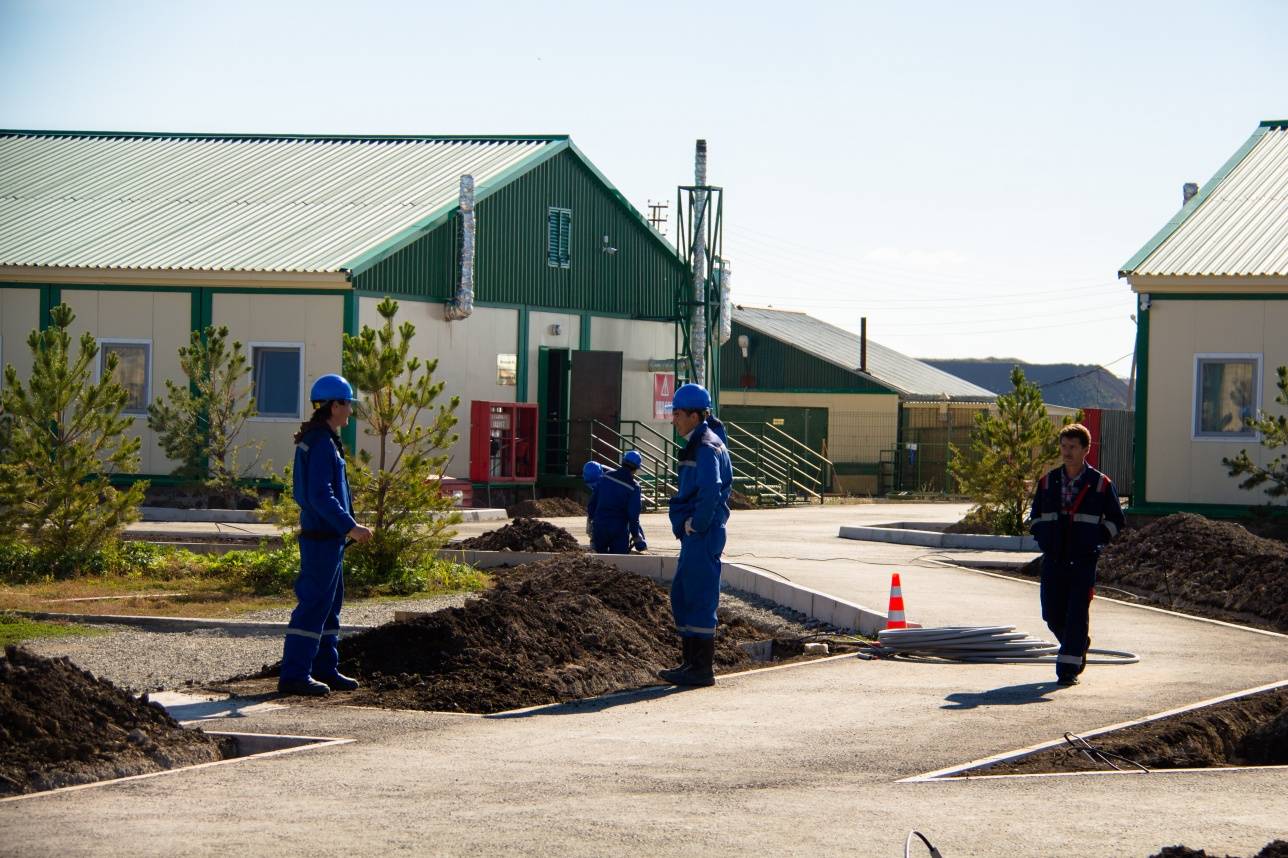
[[591, 473], [699, 511], [615, 509], [1075, 513], [310, 657]]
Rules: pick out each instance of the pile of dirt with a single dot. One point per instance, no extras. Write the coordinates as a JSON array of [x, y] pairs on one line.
[[60, 725], [1187, 560], [565, 628], [546, 508], [1246, 731], [523, 534], [1273, 849]]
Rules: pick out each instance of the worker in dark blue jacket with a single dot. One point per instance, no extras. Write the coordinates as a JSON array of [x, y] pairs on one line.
[[698, 514], [311, 657], [1076, 511], [615, 509]]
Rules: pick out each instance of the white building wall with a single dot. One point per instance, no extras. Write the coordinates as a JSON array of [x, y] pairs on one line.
[[163, 319], [1181, 468], [316, 321], [638, 342], [466, 351], [19, 316]]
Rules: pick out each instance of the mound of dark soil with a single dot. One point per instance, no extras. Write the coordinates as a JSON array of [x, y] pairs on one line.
[[546, 508], [60, 725], [562, 629], [1247, 731], [1188, 559], [524, 534], [1273, 849]]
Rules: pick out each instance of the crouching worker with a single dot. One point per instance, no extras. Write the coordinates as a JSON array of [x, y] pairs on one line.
[[311, 657], [1075, 512], [615, 509], [698, 513]]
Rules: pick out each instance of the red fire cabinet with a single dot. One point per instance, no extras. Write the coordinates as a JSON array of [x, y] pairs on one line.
[[503, 442]]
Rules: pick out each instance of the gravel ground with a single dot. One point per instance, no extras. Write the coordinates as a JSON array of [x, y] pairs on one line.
[[139, 660]]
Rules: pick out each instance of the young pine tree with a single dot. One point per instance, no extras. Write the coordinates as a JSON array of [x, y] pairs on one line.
[[396, 487], [1009, 451], [65, 435], [198, 424], [1274, 434]]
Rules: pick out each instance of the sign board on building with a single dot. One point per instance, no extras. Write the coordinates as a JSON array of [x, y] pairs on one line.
[[663, 390]]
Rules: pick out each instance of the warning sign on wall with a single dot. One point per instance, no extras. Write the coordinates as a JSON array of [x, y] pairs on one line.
[[663, 390]]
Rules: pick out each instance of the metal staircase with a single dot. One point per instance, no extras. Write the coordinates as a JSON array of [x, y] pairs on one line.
[[770, 468]]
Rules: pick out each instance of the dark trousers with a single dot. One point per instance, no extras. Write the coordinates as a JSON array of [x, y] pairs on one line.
[[312, 638], [1067, 589]]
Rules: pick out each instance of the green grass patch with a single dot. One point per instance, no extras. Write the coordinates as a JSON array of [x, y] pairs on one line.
[[15, 629]]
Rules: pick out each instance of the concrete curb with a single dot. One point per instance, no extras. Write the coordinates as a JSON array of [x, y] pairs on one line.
[[935, 539], [175, 624], [661, 568], [249, 516]]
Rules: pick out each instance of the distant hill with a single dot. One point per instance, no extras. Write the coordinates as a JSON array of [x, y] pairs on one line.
[[1075, 385]]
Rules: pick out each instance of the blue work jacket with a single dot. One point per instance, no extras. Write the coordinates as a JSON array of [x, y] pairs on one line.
[[705, 478], [615, 505], [321, 487], [1078, 532]]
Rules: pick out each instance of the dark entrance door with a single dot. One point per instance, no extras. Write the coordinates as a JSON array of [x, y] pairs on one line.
[[552, 399], [596, 394]]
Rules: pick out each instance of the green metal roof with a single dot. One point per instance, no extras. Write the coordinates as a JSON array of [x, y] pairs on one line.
[[1236, 225], [221, 202]]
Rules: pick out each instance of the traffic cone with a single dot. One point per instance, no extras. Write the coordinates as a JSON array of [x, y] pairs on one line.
[[894, 616]]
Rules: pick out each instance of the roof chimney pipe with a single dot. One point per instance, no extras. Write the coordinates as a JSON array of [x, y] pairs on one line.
[[1188, 191], [863, 344]]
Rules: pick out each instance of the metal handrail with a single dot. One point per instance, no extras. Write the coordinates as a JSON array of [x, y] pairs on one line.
[[792, 474]]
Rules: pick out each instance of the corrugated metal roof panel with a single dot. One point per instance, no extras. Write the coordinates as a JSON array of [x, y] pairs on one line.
[[912, 378], [296, 204], [1239, 223]]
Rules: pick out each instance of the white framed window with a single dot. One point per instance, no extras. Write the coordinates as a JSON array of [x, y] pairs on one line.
[[277, 380], [133, 370], [1227, 390]]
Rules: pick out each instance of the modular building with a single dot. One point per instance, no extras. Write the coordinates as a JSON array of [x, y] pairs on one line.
[[539, 282], [1212, 328], [884, 419]]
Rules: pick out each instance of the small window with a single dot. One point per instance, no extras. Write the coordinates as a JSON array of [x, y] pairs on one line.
[[507, 370], [1226, 393], [559, 238], [277, 369], [133, 370]]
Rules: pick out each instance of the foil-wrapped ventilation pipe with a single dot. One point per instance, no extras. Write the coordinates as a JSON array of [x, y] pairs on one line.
[[698, 327], [462, 304], [726, 303]]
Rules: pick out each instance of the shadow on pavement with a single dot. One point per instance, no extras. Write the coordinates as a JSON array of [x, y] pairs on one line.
[[597, 704], [1010, 695]]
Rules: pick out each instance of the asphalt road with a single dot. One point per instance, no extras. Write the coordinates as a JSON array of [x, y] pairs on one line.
[[795, 761]]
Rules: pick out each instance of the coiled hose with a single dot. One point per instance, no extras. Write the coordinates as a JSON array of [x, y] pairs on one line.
[[981, 645]]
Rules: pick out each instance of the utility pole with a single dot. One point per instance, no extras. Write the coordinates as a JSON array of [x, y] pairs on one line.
[[657, 215]]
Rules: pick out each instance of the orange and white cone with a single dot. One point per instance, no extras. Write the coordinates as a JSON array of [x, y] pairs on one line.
[[894, 616]]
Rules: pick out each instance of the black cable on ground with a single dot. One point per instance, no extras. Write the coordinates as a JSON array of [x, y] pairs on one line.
[[907, 845], [1079, 745]]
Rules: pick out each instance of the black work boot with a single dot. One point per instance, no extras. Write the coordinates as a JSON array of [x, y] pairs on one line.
[[670, 675], [700, 673], [306, 687]]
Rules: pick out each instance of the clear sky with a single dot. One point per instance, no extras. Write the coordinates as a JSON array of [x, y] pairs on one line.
[[968, 175]]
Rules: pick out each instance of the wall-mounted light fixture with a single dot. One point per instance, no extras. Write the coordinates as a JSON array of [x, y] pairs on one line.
[[556, 329], [744, 343], [607, 248]]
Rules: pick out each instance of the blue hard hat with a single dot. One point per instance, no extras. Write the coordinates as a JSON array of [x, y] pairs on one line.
[[633, 459], [691, 397], [592, 472], [329, 387]]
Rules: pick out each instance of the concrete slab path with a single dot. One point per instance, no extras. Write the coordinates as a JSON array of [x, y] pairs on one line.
[[796, 761]]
